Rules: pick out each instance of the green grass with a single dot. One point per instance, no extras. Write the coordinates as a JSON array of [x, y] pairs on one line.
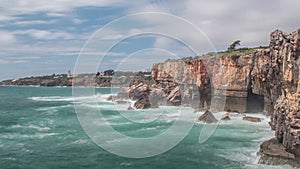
[[236, 51]]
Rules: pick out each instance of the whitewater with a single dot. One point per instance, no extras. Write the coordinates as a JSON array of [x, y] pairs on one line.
[[39, 128]]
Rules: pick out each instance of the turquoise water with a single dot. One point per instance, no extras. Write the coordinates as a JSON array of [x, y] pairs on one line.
[[39, 129]]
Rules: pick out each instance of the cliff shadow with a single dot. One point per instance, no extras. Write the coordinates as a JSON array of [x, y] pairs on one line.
[[255, 102]]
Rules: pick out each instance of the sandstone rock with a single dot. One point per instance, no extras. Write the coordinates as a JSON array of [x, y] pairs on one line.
[[228, 81], [274, 153], [207, 117], [226, 117], [252, 119], [143, 103], [174, 97]]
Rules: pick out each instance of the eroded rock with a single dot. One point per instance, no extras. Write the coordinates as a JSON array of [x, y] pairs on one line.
[[226, 117], [207, 117], [274, 153], [143, 103], [252, 119]]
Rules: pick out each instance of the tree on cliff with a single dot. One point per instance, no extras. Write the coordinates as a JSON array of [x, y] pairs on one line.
[[234, 45]]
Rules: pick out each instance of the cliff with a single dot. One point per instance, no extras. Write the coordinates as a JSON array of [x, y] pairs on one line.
[[220, 78], [280, 84], [262, 80]]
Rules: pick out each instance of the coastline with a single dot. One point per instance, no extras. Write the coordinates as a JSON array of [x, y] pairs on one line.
[[269, 76]]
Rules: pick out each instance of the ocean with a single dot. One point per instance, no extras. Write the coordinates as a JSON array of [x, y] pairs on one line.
[[39, 129]]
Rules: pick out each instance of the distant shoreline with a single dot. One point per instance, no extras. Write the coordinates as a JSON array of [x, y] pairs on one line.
[[80, 80]]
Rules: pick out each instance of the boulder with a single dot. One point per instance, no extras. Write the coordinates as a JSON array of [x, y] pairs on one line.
[[207, 117], [274, 153], [226, 117], [110, 98], [252, 119], [139, 91], [142, 103]]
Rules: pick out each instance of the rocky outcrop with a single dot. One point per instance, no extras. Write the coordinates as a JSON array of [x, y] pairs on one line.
[[210, 80], [274, 153], [262, 80], [252, 119], [207, 117], [226, 117], [143, 103], [276, 76]]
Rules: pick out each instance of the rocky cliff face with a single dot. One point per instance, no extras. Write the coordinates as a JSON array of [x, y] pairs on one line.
[[216, 77], [269, 77], [282, 88]]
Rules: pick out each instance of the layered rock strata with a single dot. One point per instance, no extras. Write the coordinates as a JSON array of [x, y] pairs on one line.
[[278, 80], [263, 80]]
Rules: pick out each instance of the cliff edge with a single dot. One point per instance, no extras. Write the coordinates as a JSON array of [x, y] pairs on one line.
[[262, 80]]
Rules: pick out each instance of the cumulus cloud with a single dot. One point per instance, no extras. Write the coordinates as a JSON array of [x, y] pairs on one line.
[[223, 22], [26, 31]]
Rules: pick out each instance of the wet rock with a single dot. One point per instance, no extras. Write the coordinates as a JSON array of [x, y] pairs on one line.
[[110, 98], [226, 117], [252, 119], [274, 153], [143, 103], [208, 117]]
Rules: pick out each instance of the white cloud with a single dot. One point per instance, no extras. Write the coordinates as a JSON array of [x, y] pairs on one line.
[[57, 14], [4, 18], [7, 38], [173, 46], [251, 21], [45, 35], [78, 21], [34, 22], [52, 7]]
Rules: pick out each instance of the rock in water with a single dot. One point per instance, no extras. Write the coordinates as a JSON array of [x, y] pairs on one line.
[[252, 119], [130, 108], [110, 98], [208, 117], [143, 103], [273, 152], [226, 117]]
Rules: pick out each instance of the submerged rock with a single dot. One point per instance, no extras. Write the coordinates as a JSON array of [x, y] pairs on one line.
[[252, 119], [130, 108], [208, 117]]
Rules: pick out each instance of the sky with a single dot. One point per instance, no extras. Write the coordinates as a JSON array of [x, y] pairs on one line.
[[45, 37]]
